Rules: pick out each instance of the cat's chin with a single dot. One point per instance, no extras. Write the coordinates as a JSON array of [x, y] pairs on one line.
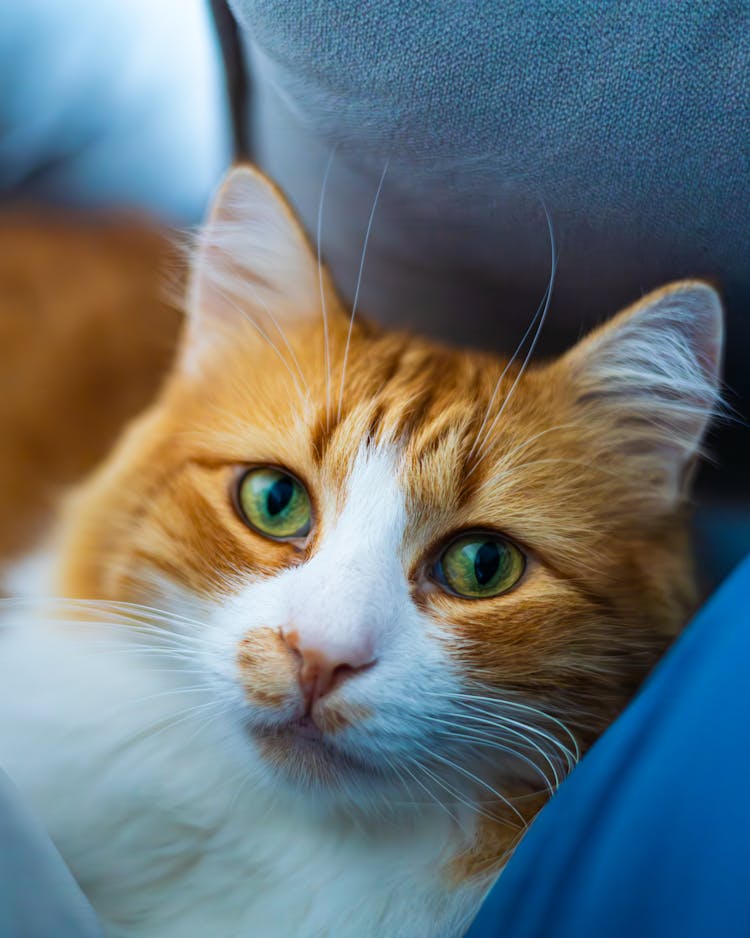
[[304, 755]]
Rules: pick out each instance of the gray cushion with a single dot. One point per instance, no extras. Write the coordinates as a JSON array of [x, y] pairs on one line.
[[629, 120]]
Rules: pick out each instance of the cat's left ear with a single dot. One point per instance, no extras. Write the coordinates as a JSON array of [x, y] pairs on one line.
[[647, 383], [253, 268]]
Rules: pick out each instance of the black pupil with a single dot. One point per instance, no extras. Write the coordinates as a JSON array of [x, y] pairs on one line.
[[486, 562], [279, 496]]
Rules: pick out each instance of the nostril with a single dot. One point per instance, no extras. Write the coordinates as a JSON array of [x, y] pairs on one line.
[[323, 666], [342, 673], [292, 643], [318, 676]]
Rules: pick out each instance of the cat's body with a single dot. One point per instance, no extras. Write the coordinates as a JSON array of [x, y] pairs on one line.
[[341, 726]]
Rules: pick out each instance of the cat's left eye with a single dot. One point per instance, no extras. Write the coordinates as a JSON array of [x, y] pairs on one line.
[[274, 503], [479, 565]]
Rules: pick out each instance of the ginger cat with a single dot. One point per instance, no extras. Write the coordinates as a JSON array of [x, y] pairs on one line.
[[343, 606]]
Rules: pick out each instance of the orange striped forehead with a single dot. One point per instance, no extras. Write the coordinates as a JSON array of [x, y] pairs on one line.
[[480, 445]]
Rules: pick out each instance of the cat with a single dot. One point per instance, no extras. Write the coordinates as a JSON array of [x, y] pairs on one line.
[[344, 606]]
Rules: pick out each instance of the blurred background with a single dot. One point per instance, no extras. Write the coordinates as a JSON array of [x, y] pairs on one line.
[[630, 125], [117, 103]]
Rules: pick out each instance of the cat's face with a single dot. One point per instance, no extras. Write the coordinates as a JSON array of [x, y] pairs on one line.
[[407, 565]]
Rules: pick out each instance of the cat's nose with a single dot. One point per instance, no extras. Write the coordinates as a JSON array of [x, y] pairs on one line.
[[324, 666]]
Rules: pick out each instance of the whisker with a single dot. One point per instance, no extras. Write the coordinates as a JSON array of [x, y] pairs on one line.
[[289, 347], [516, 728], [121, 615], [324, 310], [518, 734], [504, 372], [473, 805], [527, 442], [174, 691], [402, 781], [164, 640], [420, 767], [262, 332], [359, 283], [171, 723], [475, 778], [481, 449], [504, 702], [489, 741]]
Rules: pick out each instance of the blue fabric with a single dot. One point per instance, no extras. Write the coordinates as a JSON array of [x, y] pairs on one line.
[[649, 836]]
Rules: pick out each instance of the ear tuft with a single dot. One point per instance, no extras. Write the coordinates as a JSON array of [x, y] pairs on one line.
[[649, 379], [252, 262]]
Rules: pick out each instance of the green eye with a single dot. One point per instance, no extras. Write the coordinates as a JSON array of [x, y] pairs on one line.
[[274, 503], [477, 566]]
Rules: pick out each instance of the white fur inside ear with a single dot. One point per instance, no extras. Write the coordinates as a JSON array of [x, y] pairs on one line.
[[253, 266], [653, 372]]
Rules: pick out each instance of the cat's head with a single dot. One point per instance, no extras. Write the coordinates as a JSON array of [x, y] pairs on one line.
[[405, 564]]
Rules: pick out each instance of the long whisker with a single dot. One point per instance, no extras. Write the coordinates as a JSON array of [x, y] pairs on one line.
[[546, 304], [262, 332], [488, 740], [501, 724], [475, 778], [519, 734], [359, 284], [422, 768], [398, 773], [534, 437], [172, 692], [323, 308], [172, 643], [288, 345], [503, 703], [125, 607], [162, 726], [504, 372]]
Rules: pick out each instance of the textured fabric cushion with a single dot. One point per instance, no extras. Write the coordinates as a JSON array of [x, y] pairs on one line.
[[630, 121]]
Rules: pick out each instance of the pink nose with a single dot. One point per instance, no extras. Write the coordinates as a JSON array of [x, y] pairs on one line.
[[322, 670]]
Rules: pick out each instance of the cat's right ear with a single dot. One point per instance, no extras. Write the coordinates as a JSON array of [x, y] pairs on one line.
[[253, 269]]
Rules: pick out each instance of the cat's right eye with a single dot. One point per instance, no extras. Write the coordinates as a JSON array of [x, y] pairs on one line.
[[479, 565], [274, 503]]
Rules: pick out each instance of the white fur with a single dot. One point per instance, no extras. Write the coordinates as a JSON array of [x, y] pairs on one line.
[[169, 817]]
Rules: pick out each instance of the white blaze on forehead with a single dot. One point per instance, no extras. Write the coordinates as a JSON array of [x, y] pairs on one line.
[[349, 596]]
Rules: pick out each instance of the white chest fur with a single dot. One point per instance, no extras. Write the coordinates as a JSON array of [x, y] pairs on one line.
[[169, 836]]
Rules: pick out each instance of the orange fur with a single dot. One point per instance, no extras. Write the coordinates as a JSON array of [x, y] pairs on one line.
[[267, 670], [85, 339]]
